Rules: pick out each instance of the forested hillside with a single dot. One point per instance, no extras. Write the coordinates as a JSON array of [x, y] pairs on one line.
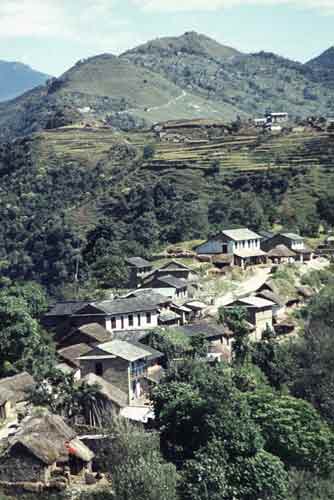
[[95, 196]]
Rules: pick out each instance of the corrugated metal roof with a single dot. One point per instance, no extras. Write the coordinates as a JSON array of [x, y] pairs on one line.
[[124, 350], [256, 302], [138, 262], [241, 234], [292, 236]]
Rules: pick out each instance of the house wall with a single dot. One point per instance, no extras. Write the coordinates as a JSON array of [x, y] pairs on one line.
[[21, 466], [210, 247], [262, 319], [137, 325], [115, 371], [279, 239]]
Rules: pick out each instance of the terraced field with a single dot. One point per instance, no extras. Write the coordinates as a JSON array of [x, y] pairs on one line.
[[246, 153]]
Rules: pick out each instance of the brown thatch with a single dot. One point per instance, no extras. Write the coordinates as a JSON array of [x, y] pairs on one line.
[[107, 390], [19, 385], [72, 353], [47, 438], [306, 292], [281, 251], [6, 395]]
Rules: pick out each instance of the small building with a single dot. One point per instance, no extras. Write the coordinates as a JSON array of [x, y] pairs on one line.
[[243, 245], [260, 122], [69, 356], [61, 312], [91, 333], [170, 318], [293, 241], [259, 313], [110, 400], [279, 117], [14, 392], [39, 447], [138, 313], [281, 254], [168, 285], [172, 268], [125, 365], [138, 268]]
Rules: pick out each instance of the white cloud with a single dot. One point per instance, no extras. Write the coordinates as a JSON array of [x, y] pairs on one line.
[[326, 6], [79, 20]]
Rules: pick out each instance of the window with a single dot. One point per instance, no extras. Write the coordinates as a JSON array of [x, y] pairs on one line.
[[148, 318], [122, 322], [130, 317], [99, 369], [113, 323], [139, 319]]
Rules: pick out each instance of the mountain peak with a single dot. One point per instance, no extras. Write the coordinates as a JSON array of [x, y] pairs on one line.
[[190, 42], [325, 60], [17, 78]]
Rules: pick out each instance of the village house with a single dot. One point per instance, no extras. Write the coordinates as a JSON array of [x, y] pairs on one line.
[[279, 117], [109, 400], [14, 393], [172, 268], [281, 255], [41, 447], [168, 285], [91, 333], [218, 336], [294, 242], [129, 366], [243, 244], [138, 269], [259, 313]]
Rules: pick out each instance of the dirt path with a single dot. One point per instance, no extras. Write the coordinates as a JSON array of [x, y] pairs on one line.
[[244, 288]]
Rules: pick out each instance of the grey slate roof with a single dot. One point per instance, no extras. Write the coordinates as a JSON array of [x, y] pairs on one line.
[[138, 262], [209, 329], [66, 308], [168, 316], [177, 283], [149, 294], [126, 306], [175, 266], [241, 234]]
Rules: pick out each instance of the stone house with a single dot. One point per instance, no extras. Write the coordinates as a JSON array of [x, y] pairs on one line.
[[243, 244], [293, 241], [129, 366], [40, 447], [259, 313], [138, 269], [168, 285], [138, 313]]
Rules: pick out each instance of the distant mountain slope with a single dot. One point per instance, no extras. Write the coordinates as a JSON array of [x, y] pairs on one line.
[[326, 59], [186, 77], [16, 78], [251, 83], [323, 67]]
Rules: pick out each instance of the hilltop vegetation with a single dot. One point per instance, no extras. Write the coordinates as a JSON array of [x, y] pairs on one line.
[[190, 76]]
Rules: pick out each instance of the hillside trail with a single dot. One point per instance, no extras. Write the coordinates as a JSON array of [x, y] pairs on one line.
[[244, 288], [156, 108]]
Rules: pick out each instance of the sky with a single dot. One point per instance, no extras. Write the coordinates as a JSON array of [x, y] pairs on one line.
[[51, 35]]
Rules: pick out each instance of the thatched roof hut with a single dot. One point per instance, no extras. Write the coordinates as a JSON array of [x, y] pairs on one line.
[[18, 387]]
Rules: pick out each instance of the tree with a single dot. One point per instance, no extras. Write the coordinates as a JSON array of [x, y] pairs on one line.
[[138, 470], [293, 431], [235, 319], [148, 152]]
